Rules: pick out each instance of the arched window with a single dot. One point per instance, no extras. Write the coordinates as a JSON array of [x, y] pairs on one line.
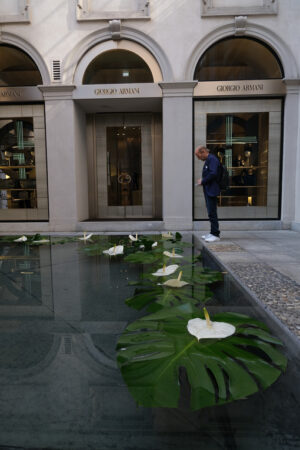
[[17, 68], [117, 66], [238, 58]]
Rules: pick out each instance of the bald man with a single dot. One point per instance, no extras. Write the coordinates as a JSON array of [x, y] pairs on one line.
[[211, 190]]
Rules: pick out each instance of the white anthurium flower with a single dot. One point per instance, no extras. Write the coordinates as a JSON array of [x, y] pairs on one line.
[[173, 254], [175, 282], [168, 235], [41, 241], [166, 270], [21, 239], [132, 238], [115, 250], [206, 329], [86, 236]]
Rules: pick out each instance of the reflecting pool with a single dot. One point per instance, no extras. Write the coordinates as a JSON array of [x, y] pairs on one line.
[[63, 310]]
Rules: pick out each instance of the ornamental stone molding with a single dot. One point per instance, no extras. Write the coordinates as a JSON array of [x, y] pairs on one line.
[[178, 89], [240, 25], [12, 39], [87, 10], [73, 60], [292, 86], [115, 29], [210, 8], [18, 12], [57, 92], [259, 32]]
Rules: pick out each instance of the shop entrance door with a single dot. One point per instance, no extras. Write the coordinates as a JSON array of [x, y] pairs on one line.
[[125, 166]]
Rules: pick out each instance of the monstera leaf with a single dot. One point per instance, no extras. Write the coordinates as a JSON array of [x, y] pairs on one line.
[[153, 349]]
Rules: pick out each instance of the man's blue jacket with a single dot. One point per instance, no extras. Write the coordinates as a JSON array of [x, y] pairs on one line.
[[210, 174]]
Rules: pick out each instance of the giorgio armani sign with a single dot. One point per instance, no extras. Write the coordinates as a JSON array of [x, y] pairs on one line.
[[20, 94], [232, 88]]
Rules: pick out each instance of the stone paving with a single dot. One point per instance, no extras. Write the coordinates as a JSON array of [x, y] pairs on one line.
[[268, 263]]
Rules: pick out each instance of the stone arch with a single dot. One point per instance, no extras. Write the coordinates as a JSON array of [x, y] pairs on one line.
[[83, 53], [16, 41], [258, 32]]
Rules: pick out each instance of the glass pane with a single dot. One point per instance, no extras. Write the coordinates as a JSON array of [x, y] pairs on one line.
[[238, 59], [240, 141], [124, 166], [17, 68], [17, 164], [117, 66]]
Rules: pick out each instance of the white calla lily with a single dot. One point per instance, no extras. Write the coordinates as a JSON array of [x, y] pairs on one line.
[[115, 250], [206, 329], [173, 254], [167, 235], [21, 239], [85, 236], [175, 282], [166, 270], [132, 238]]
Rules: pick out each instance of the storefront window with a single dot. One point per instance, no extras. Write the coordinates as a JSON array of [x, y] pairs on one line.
[[246, 136], [17, 68], [117, 66], [241, 142], [17, 164], [238, 58]]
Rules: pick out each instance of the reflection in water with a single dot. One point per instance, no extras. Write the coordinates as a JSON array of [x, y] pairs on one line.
[[62, 312]]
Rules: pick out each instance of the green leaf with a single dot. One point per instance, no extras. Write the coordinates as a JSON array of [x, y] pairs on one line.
[[153, 349], [142, 257]]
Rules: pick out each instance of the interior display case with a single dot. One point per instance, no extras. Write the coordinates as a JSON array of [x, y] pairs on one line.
[[23, 178]]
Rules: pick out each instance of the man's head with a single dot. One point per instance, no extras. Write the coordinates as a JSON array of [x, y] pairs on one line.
[[202, 152]]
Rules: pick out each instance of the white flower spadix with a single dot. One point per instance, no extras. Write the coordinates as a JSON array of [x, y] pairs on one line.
[[85, 236], [175, 282], [132, 238], [41, 241], [21, 239], [173, 254], [206, 329], [166, 270], [115, 250]]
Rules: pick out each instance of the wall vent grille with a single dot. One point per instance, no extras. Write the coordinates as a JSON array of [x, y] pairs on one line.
[[67, 345], [56, 70]]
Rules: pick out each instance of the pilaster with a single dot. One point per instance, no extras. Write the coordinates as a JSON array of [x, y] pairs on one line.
[[178, 155], [290, 203], [63, 181]]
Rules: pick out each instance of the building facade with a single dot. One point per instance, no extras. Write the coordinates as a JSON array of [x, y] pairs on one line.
[[102, 104]]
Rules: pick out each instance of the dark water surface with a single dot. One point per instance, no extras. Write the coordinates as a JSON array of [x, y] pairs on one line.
[[61, 313]]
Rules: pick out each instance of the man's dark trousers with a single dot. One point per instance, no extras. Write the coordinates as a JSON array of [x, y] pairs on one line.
[[211, 205]]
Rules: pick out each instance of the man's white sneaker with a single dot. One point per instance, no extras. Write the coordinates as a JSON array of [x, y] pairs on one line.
[[205, 236], [212, 238]]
